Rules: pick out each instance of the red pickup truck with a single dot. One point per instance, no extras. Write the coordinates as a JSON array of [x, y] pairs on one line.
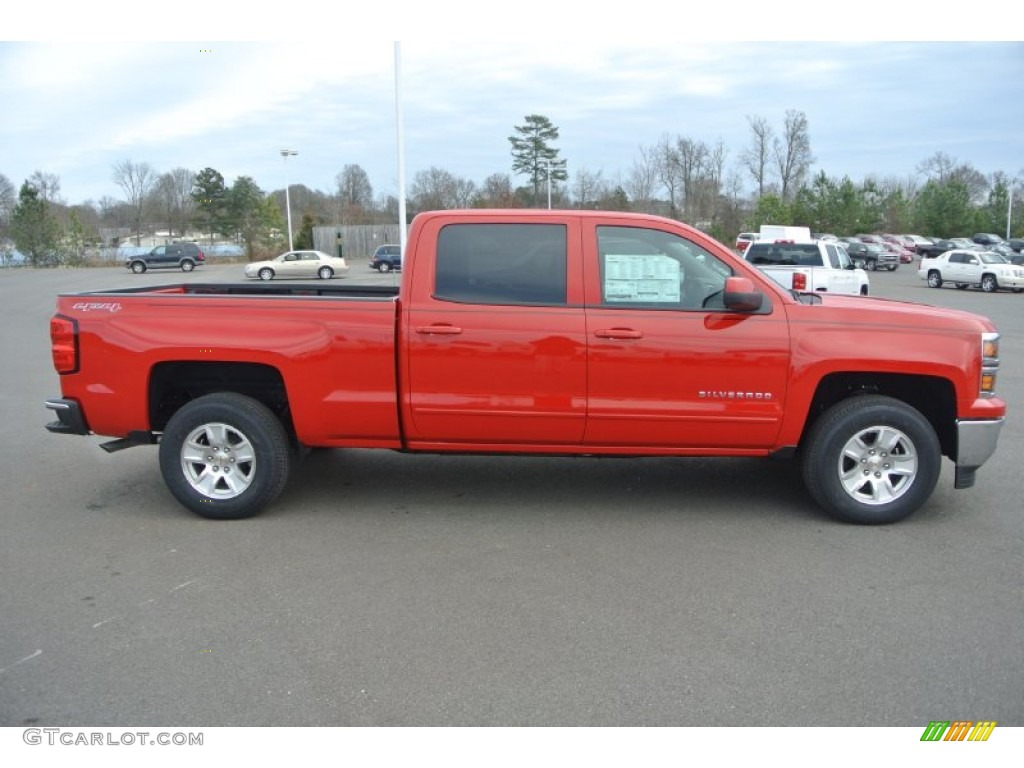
[[540, 332]]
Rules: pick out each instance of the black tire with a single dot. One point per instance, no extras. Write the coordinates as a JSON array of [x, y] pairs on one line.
[[963, 286], [892, 267], [266, 274], [989, 284], [243, 437], [934, 279], [325, 273], [863, 290], [138, 267], [872, 265], [858, 263], [187, 266], [384, 267], [899, 465]]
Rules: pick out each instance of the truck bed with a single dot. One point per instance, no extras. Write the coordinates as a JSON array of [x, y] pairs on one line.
[[258, 289]]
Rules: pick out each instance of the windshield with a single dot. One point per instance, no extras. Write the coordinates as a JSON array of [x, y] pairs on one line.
[[988, 257]]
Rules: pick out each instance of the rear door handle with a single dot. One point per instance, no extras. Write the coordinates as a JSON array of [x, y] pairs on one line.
[[618, 333], [438, 330]]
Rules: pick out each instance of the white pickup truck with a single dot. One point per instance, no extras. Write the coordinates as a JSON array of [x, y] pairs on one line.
[[811, 266]]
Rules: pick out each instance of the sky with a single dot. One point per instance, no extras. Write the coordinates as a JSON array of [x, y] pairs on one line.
[[88, 94]]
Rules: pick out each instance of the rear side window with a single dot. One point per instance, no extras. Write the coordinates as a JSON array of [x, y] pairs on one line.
[[501, 264], [784, 254]]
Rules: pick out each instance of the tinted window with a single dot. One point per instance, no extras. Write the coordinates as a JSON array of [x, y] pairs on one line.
[[786, 254], [655, 269], [502, 263]]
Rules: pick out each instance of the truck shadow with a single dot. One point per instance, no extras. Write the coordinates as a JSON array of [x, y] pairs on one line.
[[352, 482]]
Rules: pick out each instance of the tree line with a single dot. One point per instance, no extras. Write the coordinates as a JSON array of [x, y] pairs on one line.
[[682, 177]]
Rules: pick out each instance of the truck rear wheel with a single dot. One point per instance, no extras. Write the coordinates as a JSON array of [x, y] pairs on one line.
[[225, 456], [871, 460]]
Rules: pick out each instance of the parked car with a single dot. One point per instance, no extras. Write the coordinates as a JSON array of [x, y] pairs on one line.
[[965, 268], [183, 256], [1006, 252], [938, 247], [1016, 243], [917, 241], [876, 239], [298, 264], [743, 239], [872, 256], [386, 258], [905, 255], [986, 238]]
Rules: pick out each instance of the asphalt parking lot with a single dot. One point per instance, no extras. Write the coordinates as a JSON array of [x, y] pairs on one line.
[[384, 589]]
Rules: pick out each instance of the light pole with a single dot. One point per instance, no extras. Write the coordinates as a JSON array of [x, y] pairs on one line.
[[1009, 209], [285, 153], [548, 162]]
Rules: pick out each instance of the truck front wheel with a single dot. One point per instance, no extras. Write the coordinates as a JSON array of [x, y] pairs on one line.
[[871, 459], [225, 456]]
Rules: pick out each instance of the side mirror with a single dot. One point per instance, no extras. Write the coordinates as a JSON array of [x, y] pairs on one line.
[[742, 295]]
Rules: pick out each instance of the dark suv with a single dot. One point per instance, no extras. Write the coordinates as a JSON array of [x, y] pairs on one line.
[[183, 256], [386, 258]]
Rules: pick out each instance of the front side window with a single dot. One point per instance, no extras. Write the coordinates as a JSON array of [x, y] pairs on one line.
[[502, 264], [655, 269]]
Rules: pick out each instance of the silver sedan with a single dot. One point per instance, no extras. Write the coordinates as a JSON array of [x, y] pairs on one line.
[[298, 264]]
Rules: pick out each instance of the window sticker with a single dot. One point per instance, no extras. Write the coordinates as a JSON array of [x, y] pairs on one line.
[[641, 279]]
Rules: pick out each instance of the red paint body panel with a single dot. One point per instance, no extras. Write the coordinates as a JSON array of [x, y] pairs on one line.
[[421, 373]]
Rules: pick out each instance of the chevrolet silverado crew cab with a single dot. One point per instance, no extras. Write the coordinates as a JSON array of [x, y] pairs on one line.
[[820, 266], [535, 332]]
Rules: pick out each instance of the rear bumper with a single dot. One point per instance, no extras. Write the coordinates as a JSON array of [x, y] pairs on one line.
[[976, 442], [70, 419]]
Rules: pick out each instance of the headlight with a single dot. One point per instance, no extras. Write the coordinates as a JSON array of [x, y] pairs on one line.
[[989, 364]]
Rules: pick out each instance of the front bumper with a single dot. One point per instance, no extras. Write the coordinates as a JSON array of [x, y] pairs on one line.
[[70, 419], [976, 442]]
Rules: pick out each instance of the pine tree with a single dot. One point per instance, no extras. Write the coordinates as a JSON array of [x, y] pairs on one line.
[[532, 154]]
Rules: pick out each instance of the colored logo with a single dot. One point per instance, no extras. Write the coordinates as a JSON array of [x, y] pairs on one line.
[[958, 730]]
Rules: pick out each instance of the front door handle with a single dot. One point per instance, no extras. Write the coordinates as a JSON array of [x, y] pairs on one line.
[[618, 333], [438, 330]]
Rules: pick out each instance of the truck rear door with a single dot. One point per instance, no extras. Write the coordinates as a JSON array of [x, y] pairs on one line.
[[494, 333]]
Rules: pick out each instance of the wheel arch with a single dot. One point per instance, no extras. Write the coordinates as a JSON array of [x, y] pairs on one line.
[[932, 396], [174, 383]]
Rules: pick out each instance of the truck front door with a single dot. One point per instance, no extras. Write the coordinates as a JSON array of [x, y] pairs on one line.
[[668, 367]]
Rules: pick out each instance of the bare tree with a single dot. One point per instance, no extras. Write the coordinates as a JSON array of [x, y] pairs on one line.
[[643, 180], [668, 170], [497, 192], [47, 185], [756, 157], [943, 169], [436, 189], [173, 195], [715, 168], [8, 199], [464, 191], [136, 181], [587, 188], [690, 156], [354, 187], [792, 153]]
